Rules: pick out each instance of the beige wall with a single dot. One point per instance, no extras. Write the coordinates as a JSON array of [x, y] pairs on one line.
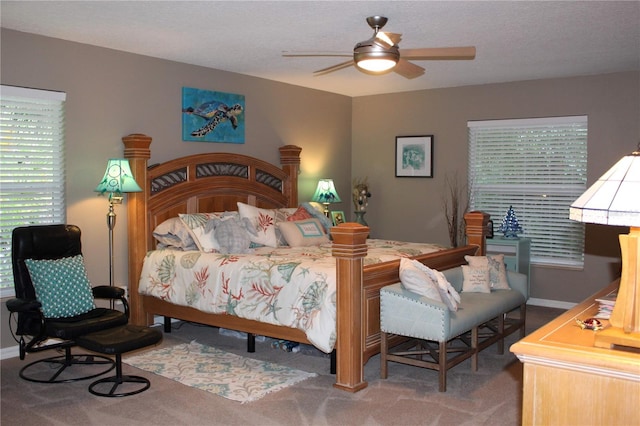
[[411, 208], [111, 94]]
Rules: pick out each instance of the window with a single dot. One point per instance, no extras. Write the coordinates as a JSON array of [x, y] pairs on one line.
[[31, 166], [538, 166]]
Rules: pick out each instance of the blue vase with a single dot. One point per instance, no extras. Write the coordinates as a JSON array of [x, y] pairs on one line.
[[360, 218]]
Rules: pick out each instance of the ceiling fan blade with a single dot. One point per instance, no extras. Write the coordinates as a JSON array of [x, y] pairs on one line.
[[407, 69], [439, 53], [287, 54], [334, 67], [394, 37]]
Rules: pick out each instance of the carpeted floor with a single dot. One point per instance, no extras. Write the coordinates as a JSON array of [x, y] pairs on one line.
[[410, 396]]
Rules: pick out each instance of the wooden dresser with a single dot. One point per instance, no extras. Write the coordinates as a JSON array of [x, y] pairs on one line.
[[568, 381]]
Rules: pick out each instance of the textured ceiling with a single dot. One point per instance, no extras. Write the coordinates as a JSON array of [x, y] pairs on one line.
[[515, 40]]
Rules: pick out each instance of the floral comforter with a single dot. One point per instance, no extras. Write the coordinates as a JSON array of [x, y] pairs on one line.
[[293, 287]]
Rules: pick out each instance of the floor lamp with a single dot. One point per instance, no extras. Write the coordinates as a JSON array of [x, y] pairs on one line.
[[117, 180], [615, 200]]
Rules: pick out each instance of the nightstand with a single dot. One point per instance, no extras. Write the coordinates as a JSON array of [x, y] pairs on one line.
[[517, 252]]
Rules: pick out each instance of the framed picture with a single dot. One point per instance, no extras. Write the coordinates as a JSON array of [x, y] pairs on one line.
[[414, 156], [337, 217], [209, 116]]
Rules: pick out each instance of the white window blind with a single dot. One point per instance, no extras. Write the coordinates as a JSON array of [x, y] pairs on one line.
[[538, 166], [32, 172]]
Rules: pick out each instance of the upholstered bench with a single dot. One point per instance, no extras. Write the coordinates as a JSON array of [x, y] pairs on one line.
[[444, 336], [117, 341]]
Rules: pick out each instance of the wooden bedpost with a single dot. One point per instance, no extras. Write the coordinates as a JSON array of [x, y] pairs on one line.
[[477, 223], [136, 150], [290, 161], [349, 249]]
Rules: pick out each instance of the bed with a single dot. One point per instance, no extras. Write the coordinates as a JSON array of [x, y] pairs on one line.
[[217, 182]]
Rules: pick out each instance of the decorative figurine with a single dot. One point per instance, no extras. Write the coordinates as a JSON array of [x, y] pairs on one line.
[[510, 226]]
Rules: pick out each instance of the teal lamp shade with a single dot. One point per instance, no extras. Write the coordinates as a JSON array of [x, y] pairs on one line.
[[326, 194], [118, 178]]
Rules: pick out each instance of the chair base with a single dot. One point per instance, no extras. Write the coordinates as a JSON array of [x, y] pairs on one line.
[[115, 381], [51, 370], [118, 341]]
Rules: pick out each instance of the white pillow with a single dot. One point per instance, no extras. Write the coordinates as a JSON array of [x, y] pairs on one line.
[[476, 280], [173, 233], [200, 226], [282, 215], [497, 269], [414, 279], [449, 295], [263, 221], [303, 233]]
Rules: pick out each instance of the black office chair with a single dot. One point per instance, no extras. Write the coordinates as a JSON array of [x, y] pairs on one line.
[[34, 332]]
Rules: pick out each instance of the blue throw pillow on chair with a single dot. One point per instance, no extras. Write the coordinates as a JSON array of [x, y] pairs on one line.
[[62, 286]]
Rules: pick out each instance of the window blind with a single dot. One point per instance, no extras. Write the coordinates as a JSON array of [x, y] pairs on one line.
[[538, 166], [32, 172]]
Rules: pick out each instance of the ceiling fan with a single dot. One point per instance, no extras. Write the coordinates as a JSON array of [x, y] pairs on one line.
[[381, 53]]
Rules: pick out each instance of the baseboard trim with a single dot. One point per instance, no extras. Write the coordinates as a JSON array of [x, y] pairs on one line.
[[10, 352], [547, 303]]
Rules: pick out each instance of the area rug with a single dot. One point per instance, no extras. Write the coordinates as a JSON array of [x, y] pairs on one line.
[[222, 373]]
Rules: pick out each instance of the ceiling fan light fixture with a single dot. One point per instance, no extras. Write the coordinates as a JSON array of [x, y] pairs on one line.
[[376, 64], [372, 57]]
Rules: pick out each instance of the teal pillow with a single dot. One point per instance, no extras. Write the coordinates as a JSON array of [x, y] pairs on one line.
[[62, 286]]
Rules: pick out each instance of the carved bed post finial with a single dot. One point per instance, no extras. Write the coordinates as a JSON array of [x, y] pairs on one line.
[[477, 223], [349, 248], [136, 150], [290, 161]]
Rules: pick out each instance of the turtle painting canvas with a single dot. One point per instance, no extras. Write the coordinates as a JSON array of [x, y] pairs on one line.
[[209, 116]]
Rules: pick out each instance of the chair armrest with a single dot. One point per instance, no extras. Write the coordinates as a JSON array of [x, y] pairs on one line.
[[23, 305], [108, 292]]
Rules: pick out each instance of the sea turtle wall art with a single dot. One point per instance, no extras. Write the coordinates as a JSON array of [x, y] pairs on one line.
[[209, 116]]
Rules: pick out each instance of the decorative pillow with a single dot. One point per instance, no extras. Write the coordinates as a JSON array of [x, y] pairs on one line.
[[302, 233], [319, 214], [282, 215], [416, 280], [232, 234], [62, 286], [476, 280], [263, 221], [173, 233], [449, 295], [497, 269], [300, 214], [200, 227]]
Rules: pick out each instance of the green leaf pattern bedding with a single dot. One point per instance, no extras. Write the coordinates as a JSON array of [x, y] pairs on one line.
[[292, 287]]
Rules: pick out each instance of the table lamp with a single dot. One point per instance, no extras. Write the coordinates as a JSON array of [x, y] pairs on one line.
[[118, 179], [615, 200], [326, 194]]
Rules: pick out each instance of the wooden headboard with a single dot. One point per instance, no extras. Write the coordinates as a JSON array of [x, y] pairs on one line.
[[213, 182]]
